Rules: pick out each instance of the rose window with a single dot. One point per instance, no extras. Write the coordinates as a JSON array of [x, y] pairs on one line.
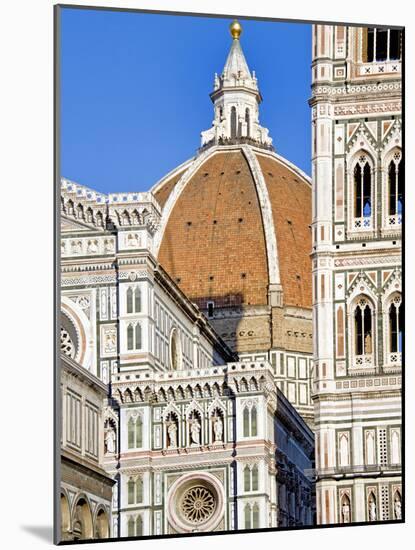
[[67, 346], [198, 504]]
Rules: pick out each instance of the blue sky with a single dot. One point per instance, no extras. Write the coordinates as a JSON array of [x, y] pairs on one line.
[[135, 91]]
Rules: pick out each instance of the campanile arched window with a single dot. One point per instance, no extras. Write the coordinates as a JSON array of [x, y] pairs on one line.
[[363, 325], [395, 186], [380, 44], [395, 314], [362, 193]]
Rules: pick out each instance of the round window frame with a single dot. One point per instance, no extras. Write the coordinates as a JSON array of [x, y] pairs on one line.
[[175, 497]]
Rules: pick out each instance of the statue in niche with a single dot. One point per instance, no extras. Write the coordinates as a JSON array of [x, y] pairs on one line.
[[397, 508], [110, 341], [92, 247], [372, 509], [108, 245], [172, 433], [110, 441], [195, 432], [63, 247], [133, 240], [217, 429], [346, 512], [76, 247]]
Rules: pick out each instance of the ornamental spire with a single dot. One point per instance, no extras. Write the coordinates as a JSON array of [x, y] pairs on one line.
[[236, 66], [236, 98]]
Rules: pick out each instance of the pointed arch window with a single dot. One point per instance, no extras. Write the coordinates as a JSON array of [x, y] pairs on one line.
[[246, 422], [130, 300], [137, 300], [139, 526], [394, 330], [131, 433], [139, 490], [135, 490], [254, 430], [130, 337], [255, 516], [247, 479], [250, 424], [139, 432], [135, 433], [362, 177], [363, 328], [247, 514], [396, 177], [137, 331], [131, 491], [133, 300], [255, 478], [233, 122], [130, 527], [134, 336]]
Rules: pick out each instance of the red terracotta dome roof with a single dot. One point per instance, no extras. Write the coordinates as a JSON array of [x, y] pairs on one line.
[[215, 241]]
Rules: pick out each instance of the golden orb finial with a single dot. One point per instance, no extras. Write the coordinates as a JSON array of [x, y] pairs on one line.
[[235, 29]]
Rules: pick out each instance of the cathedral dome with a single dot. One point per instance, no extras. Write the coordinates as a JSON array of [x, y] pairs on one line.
[[235, 226]]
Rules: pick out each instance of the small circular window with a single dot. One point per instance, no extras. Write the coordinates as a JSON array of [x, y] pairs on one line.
[[195, 502], [198, 504]]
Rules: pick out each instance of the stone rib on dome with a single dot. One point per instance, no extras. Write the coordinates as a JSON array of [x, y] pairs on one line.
[[213, 240]]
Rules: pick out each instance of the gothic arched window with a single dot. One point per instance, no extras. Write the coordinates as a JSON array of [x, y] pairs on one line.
[[254, 430], [131, 491], [395, 325], [131, 433], [246, 422], [139, 526], [233, 122], [130, 300], [139, 490], [130, 337], [255, 478], [362, 190], [247, 514], [247, 478], [130, 527], [137, 336], [138, 432], [363, 328], [395, 185], [255, 516], [137, 300], [135, 432]]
